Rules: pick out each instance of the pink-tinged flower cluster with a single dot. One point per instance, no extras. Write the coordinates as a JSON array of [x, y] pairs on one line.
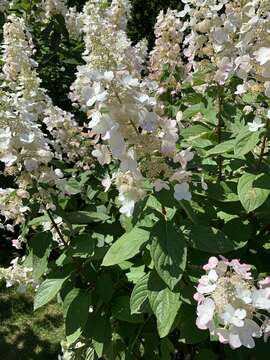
[[167, 50], [228, 37], [231, 305]]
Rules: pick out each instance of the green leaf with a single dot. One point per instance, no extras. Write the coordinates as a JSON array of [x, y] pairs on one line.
[[104, 287], [121, 310], [209, 239], [251, 197], [197, 136], [85, 217], [102, 333], [82, 245], [47, 291], [245, 142], [40, 245], [72, 187], [222, 148], [126, 247], [139, 295], [164, 303], [135, 273], [168, 252], [77, 314]]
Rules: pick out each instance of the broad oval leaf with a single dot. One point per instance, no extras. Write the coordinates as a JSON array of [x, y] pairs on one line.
[[121, 311], [85, 217], [139, 295], [164, 303], [127, 246], [209, 240], [47, 291], [168, 252], [76, 314], [40, 245], [251, 197], [245, 142], [222, 148]]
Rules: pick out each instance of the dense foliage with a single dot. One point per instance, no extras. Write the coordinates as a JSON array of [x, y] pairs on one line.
[[135, 176]]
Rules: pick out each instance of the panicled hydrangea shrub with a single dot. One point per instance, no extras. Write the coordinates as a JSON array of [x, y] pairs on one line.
[[230, 303]]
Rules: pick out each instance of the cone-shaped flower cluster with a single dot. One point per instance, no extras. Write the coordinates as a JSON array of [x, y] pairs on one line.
[[123, 110], [231, 305]]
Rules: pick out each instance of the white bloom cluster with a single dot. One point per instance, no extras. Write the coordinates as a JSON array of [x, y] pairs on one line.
[[230, 305], [4, 5], [73, 22], [11, 204], [21, 140], [69, 141], [167, 50], [232, 37], [17, 275], [122, 111], [24, 106], [54, 7]]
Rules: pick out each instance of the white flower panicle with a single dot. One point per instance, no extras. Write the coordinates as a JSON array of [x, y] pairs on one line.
[[24, 106], [119, 102], [230, 39], [12, 205], [22, 142], [54, 7], [230, 305], [4, 5], [167, 50]]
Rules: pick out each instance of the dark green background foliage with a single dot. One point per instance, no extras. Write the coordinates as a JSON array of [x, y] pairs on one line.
[[143, 18]]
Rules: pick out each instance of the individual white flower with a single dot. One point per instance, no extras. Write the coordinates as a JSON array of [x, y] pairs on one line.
[[5, 137], [267, 88], [184, 157], [205, 313], [106, 182], [101, 124], [8, 159], [148, 120], [266, 329], [225, 68], [241, 269], [241, 89], [161, 184], [262, 55], [103, 154], [244, 294], [233, 316], [247, 109], [95, 94], [240, 336], [265, 282], [27, 138], [261, 299], [255, 125], [207, 282], [182, 192], [212, 263]]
